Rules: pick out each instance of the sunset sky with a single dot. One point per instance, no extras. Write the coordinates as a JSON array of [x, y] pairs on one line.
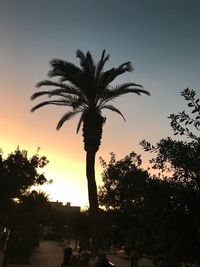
[[160, 37]]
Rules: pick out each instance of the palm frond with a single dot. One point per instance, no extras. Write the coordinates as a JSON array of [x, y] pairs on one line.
[[35, 95], [67, 90], [62, 87], [65, 117], [108, 94], [126, 85], [67, 71], [101, 63], [90, 62], [53, 102], [56, 92], [132, 90], [127, 66], [108, 76], [110, 107], [87, 63], [81, 57], [103, 77], [48, 83], [121, 90], [63, 66]]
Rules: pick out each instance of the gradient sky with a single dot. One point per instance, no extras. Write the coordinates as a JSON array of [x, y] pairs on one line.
[[160, 37]]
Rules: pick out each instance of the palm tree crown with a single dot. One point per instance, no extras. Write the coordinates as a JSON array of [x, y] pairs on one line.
[[87, 90]]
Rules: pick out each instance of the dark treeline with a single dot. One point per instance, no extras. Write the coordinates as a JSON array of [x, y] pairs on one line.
[[158, 215], [22, 210]]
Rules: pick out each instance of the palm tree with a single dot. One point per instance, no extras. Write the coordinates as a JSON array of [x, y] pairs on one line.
[[87, 90]]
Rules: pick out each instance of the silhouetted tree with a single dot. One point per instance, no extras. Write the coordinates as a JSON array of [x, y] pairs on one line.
[[87, 90], [179, 164], [121, 180], [30, 215], [123, 193], [182, 122], [18, 173], [178, 157], [155, 217]]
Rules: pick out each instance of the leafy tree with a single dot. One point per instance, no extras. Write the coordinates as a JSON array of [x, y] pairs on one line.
[[30, 214], [155, 217], [180, 158], [87, 90], [18, 174], [177, 159], [123, 193], [168, 215], [163, 218], [179, 163], [122, 180]]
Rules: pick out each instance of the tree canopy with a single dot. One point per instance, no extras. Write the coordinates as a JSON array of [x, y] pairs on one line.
[[161, 215], [18, 173], [21, 209]]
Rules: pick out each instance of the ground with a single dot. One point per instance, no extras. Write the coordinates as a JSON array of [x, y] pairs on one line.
[[50, 254]]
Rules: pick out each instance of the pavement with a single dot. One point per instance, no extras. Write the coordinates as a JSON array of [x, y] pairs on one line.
[[50, 254], [121, 262]]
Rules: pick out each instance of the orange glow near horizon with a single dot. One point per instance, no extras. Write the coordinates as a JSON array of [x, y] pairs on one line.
[[67, 173], [64, 148]]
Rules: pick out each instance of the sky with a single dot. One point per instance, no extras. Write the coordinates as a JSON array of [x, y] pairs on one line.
[[160, 37]]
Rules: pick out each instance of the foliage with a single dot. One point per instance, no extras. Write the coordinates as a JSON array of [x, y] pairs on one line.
[[121, 181], [18, 173], [182, 120], [161, 214], [122, 194], [180, 163], [178, 159], [156, 217], [26, 224], [86, 88], [21, 210]]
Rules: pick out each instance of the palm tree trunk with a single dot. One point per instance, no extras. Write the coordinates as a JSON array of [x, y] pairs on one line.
[[93, 200]]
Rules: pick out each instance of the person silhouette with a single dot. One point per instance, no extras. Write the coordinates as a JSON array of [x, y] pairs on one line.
[[67, 254]]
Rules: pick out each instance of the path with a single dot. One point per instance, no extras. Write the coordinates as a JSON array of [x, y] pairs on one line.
[[48, 254], [120, 262]]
